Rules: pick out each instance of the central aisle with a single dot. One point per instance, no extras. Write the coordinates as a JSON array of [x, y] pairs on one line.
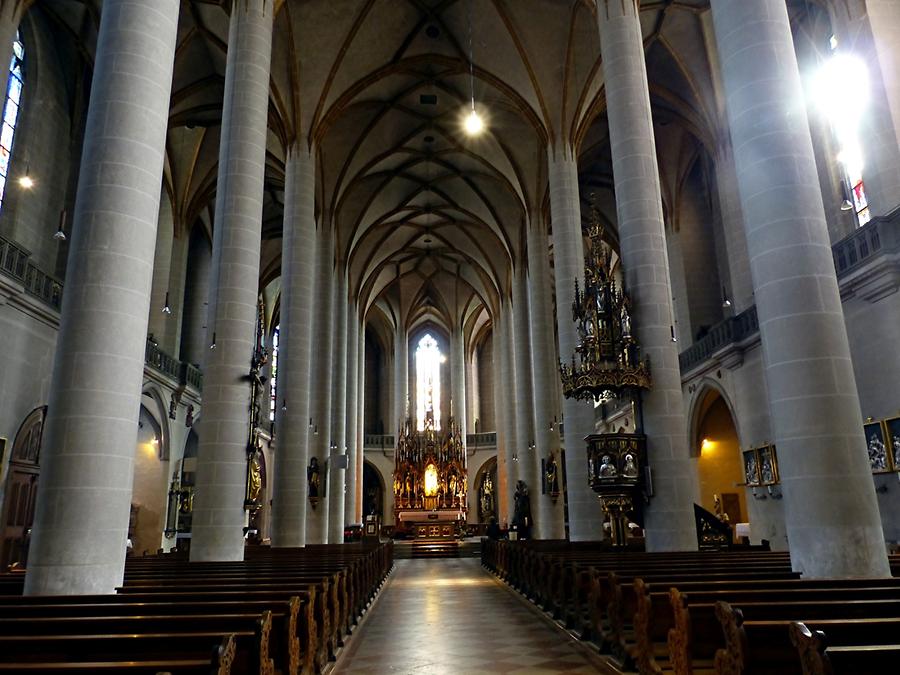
[[451, 616]]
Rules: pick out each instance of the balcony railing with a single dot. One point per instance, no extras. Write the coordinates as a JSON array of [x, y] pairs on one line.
[[168, 365], [731, 330], [879, 235], [15, 263]]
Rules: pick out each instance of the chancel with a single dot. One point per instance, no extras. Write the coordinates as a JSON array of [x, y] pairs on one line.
[[393, 335]]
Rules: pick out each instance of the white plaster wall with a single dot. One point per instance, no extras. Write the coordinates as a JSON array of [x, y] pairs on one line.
[[26, 361]]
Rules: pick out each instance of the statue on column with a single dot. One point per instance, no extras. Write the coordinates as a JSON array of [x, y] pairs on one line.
[[522, 515]]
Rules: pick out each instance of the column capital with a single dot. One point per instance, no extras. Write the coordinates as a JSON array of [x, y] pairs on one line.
[[611, 9]]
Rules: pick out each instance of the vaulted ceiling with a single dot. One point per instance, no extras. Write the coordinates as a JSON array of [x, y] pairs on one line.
[[429, 222]]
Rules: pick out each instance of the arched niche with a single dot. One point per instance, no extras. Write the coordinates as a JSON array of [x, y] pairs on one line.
[[716, 445]]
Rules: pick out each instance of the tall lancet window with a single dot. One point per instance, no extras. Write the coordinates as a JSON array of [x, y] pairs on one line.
[[428, 382], [11, 111]]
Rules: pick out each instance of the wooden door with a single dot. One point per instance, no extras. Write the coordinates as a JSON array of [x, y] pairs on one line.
[[17, 515], [21, 491]]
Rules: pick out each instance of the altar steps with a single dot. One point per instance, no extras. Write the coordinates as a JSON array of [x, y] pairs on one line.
[[424, 550]]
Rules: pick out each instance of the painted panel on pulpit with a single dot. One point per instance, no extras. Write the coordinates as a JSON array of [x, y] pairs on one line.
[[878, 452], [892, 426]]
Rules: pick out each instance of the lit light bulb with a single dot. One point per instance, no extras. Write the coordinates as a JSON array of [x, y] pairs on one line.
[[26, 182], [473, 124]]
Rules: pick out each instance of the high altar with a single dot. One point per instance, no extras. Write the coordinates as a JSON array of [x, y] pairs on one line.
[[430, 481]]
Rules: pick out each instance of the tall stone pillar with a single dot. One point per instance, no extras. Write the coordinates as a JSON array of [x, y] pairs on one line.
[[292, 409], [194, 347], [548, 516], [505, 471], [513, 446], [881, 132], [321, 377], [337, 468], [669, 519], [401, 380], [81, 524], [352, 412], [523, 398], [162, 324], [217, 529], [458, 379], [11, 13], [831, 514], [360, 419], [585, 518]]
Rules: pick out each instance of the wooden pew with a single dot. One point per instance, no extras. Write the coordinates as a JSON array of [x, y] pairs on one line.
[[292, 638], [184, 654], [654, 620]]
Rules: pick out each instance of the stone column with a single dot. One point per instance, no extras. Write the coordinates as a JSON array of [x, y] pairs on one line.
[[177, 281], [217, 530], [458, 378], [505, 476], [78, 543], [361, 420], [523, 398], [161, 324], [292, 409], [321, 377], [194, 346], [830, 509], [401, 380], [669, 519], [545, 372], [585, 518], [352, 412], [11, 13], [514, 447], [336, 464], [881, 132]]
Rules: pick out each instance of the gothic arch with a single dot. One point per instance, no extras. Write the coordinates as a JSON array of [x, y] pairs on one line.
[[707, 389], [159, 411]]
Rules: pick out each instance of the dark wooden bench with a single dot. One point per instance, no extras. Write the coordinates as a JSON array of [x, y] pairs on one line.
[[181, 653]]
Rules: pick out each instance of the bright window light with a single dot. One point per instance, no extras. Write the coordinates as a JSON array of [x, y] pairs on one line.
[[428, 382]]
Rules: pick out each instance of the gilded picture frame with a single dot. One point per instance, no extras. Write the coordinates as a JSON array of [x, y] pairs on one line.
[[768, 465], [879, 457], [750, 459], [892, 441]]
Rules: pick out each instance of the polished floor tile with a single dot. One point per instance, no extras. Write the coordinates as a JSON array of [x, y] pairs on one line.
[[450, 616]]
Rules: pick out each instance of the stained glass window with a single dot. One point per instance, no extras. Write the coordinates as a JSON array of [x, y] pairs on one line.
[[11, 111], [428, 382], [273, 392]]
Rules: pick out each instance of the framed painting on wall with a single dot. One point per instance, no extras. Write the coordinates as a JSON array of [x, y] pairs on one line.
[[878, 454], [892, 441], [768, 465], [751, 467]]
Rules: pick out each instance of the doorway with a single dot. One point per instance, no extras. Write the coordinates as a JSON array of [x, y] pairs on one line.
[[717, 447]]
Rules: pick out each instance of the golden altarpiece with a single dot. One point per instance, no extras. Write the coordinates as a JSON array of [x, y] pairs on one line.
[[430, 476]]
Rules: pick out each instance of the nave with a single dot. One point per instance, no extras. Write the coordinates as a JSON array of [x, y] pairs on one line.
[[451, 616]]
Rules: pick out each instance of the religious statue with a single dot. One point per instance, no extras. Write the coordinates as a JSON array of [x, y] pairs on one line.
[[173, 407], [552, 476], [255, 484], [189, 416], [607, 468], [625, 319], [486, 499], [522, 514], [312, 477], [454, 485], [719, 509], [398, 487], [630, 470]]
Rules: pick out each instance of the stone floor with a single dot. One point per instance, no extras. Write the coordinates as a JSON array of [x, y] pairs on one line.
[[450, 616]]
